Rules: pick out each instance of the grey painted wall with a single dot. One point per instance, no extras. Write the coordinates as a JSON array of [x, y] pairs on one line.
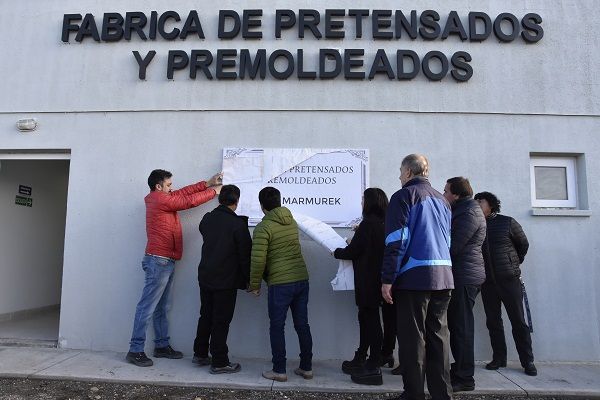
[[105, 234], [31, 238], [87, 98]]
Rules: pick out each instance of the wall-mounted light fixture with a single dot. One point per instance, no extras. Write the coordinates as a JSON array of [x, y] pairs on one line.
[[27, 124]]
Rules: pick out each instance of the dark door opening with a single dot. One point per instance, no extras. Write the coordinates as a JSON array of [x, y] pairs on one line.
[[33, 205]]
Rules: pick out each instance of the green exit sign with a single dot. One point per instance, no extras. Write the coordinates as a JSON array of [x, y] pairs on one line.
[[24, 201]]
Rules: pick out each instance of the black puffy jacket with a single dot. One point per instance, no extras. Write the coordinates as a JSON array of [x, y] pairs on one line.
[[225, 262], [467, 237], [504, 248]]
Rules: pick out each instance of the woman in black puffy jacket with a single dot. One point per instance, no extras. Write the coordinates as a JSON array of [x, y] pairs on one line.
[[504, 250]]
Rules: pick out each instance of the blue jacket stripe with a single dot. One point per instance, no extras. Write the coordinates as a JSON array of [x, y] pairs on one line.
[[402, 234], [412, 263]]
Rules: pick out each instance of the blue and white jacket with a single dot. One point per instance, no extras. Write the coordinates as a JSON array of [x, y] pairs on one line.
[[417, 244]]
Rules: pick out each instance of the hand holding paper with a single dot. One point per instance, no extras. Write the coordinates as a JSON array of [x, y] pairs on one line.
[[216, 179]]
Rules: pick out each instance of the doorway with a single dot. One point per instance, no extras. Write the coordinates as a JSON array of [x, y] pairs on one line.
[[33, 206]]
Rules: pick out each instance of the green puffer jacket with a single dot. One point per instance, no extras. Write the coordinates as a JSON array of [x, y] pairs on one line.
[[276, 254]]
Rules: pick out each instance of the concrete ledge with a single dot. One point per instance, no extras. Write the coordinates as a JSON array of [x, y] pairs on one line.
[[551, 212], [558, 379]]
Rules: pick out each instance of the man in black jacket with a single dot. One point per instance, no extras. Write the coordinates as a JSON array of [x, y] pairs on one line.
[[224, 268], [467, 236]]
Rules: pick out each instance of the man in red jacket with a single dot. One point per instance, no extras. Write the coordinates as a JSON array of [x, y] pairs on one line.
[[164, 247]]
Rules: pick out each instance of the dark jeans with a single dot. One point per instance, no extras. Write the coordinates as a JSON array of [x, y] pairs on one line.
[[371, 336], [509, 293], [423, 342], [216, 313], [462, 327], [281, 297], [388, 315]]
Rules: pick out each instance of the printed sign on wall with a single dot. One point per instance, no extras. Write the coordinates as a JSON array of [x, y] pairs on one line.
[[23, 201], [25, 190], [23, 198], [326, 184]]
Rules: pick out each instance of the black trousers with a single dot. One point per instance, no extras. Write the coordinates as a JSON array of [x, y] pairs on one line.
[[509, 293], [371, 336], [388, 315], [462, 329], [423, 342], [216, 313]]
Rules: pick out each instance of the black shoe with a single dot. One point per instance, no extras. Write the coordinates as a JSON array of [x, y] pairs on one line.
[[230, 368], [530, 369], [462, 387], [367, 376], [202, 361], [387, 360], [354, 365], [139, 359], [397, 371], [167, 352], [495, 364]]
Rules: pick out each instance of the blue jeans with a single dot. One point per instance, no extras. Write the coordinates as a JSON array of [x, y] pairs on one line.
[[281, 297], [154, 302]]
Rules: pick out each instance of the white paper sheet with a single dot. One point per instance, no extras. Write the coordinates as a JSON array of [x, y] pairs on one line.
[[279, 161], [244, 168], [325, 184], [323, 234]]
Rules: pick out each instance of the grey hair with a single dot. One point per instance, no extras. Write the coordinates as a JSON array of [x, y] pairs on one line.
[[417, 164]]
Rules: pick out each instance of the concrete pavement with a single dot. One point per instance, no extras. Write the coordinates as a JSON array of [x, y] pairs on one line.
[[554, 379]]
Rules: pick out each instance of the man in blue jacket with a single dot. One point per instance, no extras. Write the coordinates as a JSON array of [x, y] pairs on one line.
[[417, 277]]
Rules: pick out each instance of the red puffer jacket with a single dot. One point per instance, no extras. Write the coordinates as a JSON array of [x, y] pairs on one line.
[[163, 227]]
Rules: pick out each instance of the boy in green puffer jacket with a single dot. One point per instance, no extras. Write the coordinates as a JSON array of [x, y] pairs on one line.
[[277, 258]]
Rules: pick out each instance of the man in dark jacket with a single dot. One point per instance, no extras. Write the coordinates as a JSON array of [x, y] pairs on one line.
[[504, 251], [468, 234], [224, 268], [417, 263]]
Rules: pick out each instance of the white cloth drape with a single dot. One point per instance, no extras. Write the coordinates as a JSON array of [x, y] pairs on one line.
[[323, 234]]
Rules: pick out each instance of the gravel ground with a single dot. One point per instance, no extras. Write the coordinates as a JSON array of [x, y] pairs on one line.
[[33, 389]]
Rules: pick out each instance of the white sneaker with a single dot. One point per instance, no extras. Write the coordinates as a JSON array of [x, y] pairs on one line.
[[303, 373], [274, 376]]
